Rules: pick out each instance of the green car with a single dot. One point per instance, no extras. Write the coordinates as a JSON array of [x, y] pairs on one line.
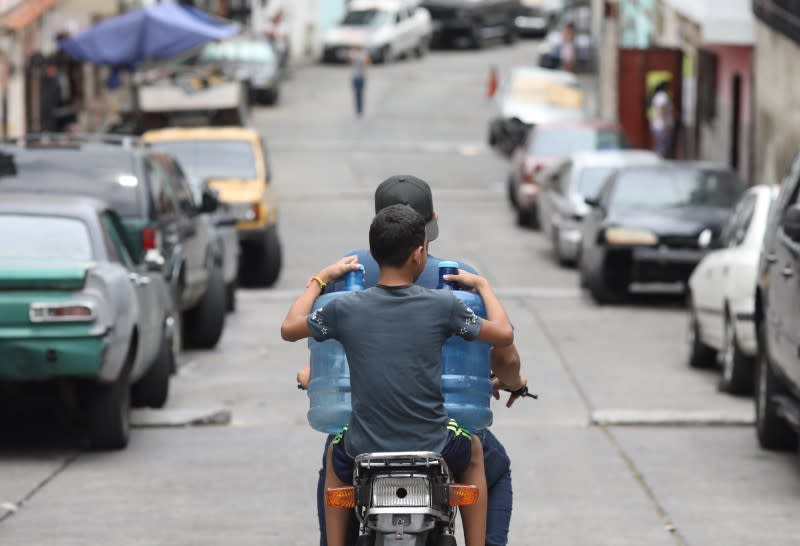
[[75, 307]]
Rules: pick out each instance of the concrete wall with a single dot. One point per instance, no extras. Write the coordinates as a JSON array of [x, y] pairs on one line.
[[777, 104], [715, 135]]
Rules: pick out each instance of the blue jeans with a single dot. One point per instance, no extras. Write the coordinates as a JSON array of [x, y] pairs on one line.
[[358, 90], [498, 480]]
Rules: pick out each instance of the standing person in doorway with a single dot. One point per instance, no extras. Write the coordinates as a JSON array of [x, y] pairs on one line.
[[359, 59], [662, 120]]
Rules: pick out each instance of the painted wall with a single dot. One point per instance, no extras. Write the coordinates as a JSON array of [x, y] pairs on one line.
[[715, 135], [777, 104]]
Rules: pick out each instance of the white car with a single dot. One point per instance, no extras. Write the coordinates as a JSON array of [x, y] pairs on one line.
[[565, 187], [722, 295], [387, 30]]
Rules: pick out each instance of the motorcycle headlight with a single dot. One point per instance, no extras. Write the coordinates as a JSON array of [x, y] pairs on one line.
[[630, 236], [401, 492]]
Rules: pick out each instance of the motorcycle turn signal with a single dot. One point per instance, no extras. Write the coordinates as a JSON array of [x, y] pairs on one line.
[[463, 495], [341, 497]]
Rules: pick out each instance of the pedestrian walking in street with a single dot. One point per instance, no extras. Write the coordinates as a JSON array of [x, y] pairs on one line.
[[359, 60], [662, 120], [567, 54], [505, 363]]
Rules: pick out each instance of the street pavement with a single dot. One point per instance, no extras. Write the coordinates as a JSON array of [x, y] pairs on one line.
[[673, 462]]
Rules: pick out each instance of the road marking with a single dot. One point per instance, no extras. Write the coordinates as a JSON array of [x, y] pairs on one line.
[[179, 417], [283, 295], [465, 149], [672, 418]]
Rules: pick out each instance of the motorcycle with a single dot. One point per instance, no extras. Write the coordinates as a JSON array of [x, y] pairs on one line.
[[403, 499]]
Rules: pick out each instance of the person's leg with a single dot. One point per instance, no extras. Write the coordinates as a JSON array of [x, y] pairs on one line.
[[473, 517], [321, 493], [335, 518], [358, 86], [498, 481]]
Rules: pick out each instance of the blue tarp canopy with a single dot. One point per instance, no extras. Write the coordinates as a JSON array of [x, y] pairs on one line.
[[156, 32]]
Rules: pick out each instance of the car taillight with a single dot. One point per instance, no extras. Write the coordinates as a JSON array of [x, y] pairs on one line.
[[151, 238], [256, 208], [61, 312]]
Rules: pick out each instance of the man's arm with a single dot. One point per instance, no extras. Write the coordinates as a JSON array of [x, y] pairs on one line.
[[496, 329], [506, 367], [294, 326]]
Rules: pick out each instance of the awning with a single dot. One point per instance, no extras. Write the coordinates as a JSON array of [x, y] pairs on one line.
[[24, 13]]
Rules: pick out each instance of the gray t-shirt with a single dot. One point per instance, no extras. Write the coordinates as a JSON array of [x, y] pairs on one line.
[[393, 340]]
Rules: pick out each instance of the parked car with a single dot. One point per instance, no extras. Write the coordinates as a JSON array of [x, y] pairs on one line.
[[653, 224], [777, 388], [546, 144], [722, 295], [533, 96], [233, 161], [159, 214], [78, 309], [566, 185], [386, 29], [246, 58], [473, 21], [580, 16], [537, 17]]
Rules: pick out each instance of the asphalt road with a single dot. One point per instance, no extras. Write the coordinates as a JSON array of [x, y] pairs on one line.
[[654, 472]]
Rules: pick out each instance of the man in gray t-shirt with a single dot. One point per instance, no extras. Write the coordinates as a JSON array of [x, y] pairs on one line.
[[395, 363]]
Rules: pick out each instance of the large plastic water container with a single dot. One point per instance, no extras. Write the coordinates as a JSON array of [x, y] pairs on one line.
[[329, 387], [466, 366], [466, 385]]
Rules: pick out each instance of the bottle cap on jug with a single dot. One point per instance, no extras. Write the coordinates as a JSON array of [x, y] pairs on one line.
[[354, 280], [447, 268]]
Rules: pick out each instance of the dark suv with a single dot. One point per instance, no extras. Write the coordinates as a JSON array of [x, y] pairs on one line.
[[166, 229], [474, 20], [777, 309]]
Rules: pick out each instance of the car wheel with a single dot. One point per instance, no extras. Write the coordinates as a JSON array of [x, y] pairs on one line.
[[476, 40], [698, 354], [512, 194], [527, 218], [269, 96], [511, 36], [599, 289], [262, 262], [152, 389], [108, 411], [203, 324], [559, 255], [737, 367], [230, 297], [384, 55], [422, 48], [772, 430]]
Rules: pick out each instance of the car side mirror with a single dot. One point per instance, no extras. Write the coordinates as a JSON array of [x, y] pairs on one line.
[[791, 222], [209, 202], [593, 202], [154, 260]]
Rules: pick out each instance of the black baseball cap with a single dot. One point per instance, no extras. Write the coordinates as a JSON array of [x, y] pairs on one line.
[[408, 190]]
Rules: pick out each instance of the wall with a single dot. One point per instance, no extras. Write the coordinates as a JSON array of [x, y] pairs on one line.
[[777, 104], [715, 135]]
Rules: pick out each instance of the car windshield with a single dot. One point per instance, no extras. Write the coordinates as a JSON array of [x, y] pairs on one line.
[[238, 51], [44, 238], [535, 89], [666, 188], [106, 175], [365, 18], [565, 141], [591, 179], [221, 159]]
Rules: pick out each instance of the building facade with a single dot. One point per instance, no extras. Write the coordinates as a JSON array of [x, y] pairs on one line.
[[777, 97]]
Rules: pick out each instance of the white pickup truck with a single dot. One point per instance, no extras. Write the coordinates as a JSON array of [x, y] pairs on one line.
[[386, 29]]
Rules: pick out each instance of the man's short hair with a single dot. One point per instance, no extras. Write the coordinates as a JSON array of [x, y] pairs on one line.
[[395, 232]]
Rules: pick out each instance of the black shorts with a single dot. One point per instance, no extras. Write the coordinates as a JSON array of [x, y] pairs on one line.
[[457, 452]]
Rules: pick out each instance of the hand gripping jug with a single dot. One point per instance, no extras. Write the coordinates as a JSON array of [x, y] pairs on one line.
[[466, 366], [329, 387]]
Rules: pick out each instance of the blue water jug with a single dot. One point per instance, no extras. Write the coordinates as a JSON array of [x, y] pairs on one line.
[[466, 366], [329, 387]]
